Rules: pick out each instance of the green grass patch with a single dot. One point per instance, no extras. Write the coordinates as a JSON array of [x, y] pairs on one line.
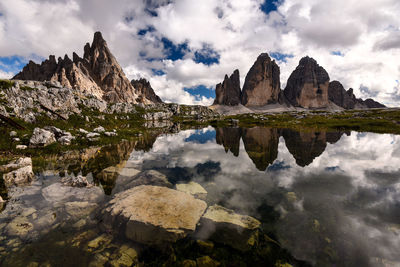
[[6, 84]]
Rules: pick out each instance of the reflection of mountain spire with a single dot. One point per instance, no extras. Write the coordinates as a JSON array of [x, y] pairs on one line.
[[261, 145], [306, 146], [229, 138]]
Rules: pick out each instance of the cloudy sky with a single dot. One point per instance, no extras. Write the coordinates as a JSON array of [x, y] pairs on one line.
[[185, 47]]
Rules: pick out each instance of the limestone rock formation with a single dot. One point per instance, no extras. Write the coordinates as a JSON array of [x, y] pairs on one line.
[[97, 73], [347, 100], [338, 95], [153, 214], [228, 92], [145, 91], [307, 86], [262, 84]]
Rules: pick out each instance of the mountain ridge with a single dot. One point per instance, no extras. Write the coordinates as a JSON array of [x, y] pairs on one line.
[[97, 73]]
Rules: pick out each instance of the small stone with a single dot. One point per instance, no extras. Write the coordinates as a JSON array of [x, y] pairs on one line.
[[16, 139], [99, 129], [126, 256], [109, 134], [83, 131], [225, 226], [78, 181], [21, 147], [20, 226], [13, 133], [205, 246], [206, 261], [92, 135], [79, 209], [42, 138], [188, 263], [99, 242]]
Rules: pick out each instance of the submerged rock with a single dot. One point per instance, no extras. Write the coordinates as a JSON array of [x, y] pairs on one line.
[[150, 177], [153, 214], [225, 226], [206, 261], [42, 138], [193, 189]]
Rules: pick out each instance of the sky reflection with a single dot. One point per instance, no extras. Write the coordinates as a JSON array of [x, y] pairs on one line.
[[330, 198]]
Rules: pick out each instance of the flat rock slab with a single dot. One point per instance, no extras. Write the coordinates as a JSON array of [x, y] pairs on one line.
[[154, 215], [225, 226]]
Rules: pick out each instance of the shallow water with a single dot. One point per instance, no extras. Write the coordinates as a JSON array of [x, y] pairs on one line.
[[327, 198]]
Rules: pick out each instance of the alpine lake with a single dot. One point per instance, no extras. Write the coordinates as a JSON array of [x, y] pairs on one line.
[[318, 198]]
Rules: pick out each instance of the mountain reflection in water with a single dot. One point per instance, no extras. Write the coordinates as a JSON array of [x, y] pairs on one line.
[[328, 198]]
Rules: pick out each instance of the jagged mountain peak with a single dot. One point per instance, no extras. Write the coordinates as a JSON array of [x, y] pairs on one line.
[[97, 73]]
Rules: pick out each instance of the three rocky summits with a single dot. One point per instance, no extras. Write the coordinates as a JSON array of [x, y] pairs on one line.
[[97, 73], [308, 87]]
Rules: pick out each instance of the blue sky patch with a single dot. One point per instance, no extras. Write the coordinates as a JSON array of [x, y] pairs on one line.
[[269, 6], [12, 64], [142, 32], [201, 138], [151, 12], [278, 166], [337, 53], [174, 52], [199, 91], [280, 57], [207, 56], [157, 72]]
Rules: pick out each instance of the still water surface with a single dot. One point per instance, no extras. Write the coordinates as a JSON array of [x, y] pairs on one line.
[[327, 198]]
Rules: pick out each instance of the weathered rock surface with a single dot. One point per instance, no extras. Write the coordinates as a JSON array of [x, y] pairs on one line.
[[153, 214], [76, 181], [145, 91], [18, 172], [41, 138], [338, 95], [193, 189], [225, 226], [228, 92], [97, 73], [347, 100], [20, 176], [262, 84], [307, 86]]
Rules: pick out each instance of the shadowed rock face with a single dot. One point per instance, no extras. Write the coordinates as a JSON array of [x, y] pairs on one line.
[[97, 73], [228, 92], [347, 100], [261, 145], [306, 146], [229, 138], [144, 90], [338, 95], [307, 86], [262, 84], [370, 103]]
